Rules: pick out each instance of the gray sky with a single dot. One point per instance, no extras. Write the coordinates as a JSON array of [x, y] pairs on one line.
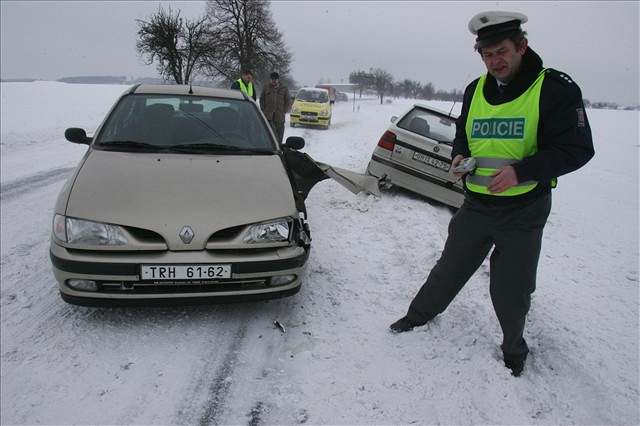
[[597, 43]]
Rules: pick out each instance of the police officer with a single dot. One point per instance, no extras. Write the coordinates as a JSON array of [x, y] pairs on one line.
[[245, 84], [524, 125]]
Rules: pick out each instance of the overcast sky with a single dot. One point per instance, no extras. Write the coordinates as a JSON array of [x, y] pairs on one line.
[[597, 43]]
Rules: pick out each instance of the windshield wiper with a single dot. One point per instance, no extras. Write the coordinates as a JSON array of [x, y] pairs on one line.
[[212, 147], [133, 145]]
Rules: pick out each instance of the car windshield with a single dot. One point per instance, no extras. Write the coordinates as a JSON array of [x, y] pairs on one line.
[[430, 124], [146, 122], [313, 96]]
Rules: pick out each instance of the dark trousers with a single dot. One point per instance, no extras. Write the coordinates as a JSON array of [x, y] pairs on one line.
[[515, 232], [278, 129]]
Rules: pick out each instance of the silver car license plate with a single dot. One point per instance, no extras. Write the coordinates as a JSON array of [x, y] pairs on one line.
[[185, 272], [433, 162]]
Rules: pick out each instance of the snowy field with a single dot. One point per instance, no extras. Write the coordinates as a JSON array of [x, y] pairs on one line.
[[337, 363]]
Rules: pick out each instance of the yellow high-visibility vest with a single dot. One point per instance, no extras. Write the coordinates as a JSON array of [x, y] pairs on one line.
[[500, 135], [248, 89]]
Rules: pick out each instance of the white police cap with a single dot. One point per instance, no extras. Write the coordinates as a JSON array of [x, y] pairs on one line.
[[483, 20]]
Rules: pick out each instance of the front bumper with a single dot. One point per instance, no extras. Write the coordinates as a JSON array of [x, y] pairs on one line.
[[316, 121], [118, 275]]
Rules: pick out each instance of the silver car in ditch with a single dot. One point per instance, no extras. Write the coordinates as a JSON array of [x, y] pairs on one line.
[[415, 153], [183, 194]]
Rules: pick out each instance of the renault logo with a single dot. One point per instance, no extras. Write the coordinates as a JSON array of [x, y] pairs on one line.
[[186, 234]]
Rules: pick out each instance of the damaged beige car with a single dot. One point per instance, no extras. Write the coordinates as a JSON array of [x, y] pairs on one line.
[[183, 195]]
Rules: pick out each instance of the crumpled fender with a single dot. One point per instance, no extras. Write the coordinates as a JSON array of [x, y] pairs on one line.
[[306, 173]]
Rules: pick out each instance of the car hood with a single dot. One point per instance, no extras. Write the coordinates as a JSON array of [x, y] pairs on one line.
[[311, 106], [164, 192]]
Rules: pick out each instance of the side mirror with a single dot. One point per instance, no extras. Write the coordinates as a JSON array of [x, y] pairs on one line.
[[294, 142], [394, 119], [77, 135]]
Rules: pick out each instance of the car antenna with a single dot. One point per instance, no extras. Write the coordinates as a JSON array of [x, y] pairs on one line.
[[190, 89], [454, 104]]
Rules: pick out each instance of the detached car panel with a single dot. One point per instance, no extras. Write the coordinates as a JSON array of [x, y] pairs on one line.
[[415, 154]]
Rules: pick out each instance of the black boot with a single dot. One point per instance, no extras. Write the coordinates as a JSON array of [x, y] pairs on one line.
[[515, 363], [404, 324]]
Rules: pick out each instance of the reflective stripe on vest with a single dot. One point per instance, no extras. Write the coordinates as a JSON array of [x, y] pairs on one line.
[[500, 135], [248, 90]]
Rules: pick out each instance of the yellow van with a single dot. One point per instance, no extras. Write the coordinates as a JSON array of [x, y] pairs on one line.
[[311, 107]]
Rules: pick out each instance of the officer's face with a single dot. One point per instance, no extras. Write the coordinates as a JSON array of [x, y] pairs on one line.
[[503, 59], [247, 78]]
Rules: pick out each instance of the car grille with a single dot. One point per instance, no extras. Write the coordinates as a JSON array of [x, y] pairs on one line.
[[167, 287]]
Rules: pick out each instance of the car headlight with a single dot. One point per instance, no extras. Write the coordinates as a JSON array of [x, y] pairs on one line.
[[295, 110], [78, 231], [325, 113], [268, 232]]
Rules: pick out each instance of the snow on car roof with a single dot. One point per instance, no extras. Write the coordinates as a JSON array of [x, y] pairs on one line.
[[183, 89], [314, 89]]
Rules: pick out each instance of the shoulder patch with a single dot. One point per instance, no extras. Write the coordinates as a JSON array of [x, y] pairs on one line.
[[560, 77]]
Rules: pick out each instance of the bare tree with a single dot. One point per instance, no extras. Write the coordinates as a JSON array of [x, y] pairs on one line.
[[363, 79], [382, 81], [177, 45], [247, 37]]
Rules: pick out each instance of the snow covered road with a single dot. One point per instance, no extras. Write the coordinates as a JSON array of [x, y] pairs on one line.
[[336, 362]]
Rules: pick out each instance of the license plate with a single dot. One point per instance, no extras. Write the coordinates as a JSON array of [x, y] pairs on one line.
[[185, 272], [433, 162], [309, 117]]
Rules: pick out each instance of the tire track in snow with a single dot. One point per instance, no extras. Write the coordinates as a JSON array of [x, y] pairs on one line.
[[221, 384], [214, 386], [19, 187]]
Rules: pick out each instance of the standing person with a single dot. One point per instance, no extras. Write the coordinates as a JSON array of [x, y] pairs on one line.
[[525, 126], [245, 84], [274, 103]]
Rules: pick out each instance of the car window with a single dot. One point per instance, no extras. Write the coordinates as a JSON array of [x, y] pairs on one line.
[[313, 96], [169, 120], [429, 124]]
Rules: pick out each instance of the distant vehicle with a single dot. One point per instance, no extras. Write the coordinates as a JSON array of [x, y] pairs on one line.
[[184, 194], [330, 89], [342, 97], [311, 107], [415, 153]]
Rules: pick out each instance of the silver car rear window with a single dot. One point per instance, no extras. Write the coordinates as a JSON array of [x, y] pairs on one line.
[[430, 125]]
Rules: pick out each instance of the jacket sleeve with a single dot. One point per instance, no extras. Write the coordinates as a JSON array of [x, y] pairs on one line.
[[262, 104], [564, 134], [460, 143], [287, 100]]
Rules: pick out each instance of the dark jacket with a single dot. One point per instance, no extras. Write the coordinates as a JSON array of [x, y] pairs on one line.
[[236, 86], [274, 102], [564, 135]]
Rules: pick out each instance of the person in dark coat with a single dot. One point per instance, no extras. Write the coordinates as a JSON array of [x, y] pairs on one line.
[[274, 103], [524, 125]]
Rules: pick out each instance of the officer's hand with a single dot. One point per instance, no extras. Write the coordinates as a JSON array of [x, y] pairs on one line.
[[503, 179], [456, 160]]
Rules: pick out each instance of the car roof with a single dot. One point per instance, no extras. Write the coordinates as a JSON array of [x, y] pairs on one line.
[[438, 110], [183, 89], [314, 89]]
